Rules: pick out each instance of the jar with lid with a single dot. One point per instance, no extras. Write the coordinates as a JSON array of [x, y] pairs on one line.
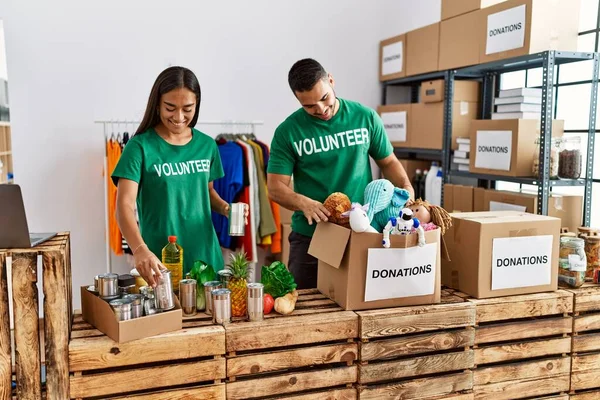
[[139, 281], [126, 284], [572, 264], [592, 253], [569, 158], [554, 151], [584, 231]]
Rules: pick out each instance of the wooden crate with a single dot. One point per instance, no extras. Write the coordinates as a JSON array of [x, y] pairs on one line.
[[5, 151], [418, 352], [308, 354], [28, 343], [585, 370], [585, 395], [185, 364], [522, 346]]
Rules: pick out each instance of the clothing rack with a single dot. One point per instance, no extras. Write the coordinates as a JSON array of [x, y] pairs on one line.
[[244, 127]]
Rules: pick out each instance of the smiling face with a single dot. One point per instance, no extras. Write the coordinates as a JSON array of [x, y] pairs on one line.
[[320, 100], [177, 109]]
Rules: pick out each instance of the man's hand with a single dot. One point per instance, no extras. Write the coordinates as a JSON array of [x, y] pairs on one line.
[[314, 211]]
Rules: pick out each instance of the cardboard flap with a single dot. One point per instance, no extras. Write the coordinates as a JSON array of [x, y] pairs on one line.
[[329, 243]]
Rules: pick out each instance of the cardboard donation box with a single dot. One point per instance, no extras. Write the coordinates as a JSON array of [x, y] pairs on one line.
[[357, 273], [506, 147], [99, 313], [411, 167], [459, 41], [501, 253], [452, 8], [392, 60], [396, 121], [422, 50], [427, 117], [520, 27]]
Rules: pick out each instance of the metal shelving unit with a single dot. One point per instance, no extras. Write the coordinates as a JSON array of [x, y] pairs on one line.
[[489, 75]]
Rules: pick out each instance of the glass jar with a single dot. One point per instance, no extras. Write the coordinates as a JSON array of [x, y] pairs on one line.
[[554, 151], [569, 158], [592, 253], [572, 264], [584, 231]]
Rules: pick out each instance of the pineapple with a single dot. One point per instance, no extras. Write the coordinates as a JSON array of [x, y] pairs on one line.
[[237, 284]]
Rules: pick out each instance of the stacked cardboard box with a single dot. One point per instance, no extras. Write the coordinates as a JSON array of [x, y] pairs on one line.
[[521, 103], [460, 159]]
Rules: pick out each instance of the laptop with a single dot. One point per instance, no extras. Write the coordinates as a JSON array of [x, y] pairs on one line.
[[14, 232]]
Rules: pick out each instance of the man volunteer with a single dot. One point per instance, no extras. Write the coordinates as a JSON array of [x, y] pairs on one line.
[[326, 146]]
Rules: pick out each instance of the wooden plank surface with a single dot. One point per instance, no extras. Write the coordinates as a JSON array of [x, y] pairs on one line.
[[588, 322], [522, 370], [294, 358], [587, 298], [525, 329], [57, 323], [25, 311], [585, 373], [212, 392], [586, 342], [414, 367], [102, 352], [523, 306], [593, 395], [5, 345], [419, 388], [281, 332], [290, 383], [416, 344], [331, 394], [121, 382], [522, 350], [522, 388], [409, 320]]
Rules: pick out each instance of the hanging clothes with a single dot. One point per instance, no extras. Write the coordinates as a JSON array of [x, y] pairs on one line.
[[113, 153], [267, 225]]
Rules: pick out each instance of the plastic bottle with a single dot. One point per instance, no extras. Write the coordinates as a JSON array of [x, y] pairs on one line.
[[172, 258], [429, 181], [436, 189], [422, 184], [416, 183]]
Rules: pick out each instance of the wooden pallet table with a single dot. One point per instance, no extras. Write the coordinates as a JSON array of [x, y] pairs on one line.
[[585, 370], [309, 354], [522, 346], [185, 364], [420, 352]]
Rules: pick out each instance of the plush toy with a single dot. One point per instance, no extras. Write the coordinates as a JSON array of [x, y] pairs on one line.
[[385, 201], [337, 204], [404, 224], [428, 213], [359, 220]]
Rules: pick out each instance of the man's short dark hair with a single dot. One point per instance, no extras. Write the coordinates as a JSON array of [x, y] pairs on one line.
[[304, 74]]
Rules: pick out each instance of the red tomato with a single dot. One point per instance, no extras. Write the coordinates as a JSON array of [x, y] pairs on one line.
[[268, 303]]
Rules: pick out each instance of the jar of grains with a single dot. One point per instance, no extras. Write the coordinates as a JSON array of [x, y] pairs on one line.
[[569, 158], [572, 264]]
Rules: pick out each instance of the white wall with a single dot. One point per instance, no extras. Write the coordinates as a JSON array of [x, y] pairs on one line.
[[3, 73], [72, 62]]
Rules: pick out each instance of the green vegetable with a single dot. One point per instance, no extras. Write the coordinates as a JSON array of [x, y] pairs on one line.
[[202, 273], [277, 280]]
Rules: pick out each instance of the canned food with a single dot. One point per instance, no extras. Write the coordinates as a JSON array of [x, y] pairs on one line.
[[221, 299], [237, 224], [126, 284], [163, 293], [255, 301], [108, 287], [139, 281], [137, 304], [187, 296], [149, 300], [224, 276], [208, 288], [121, 308]]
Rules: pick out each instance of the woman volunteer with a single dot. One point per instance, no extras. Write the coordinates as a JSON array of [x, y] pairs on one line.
[[167, 169]]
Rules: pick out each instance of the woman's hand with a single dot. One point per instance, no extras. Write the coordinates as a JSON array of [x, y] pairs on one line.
[[148, 265]]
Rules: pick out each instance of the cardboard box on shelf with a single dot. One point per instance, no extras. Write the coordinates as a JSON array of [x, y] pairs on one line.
[[286, 229], [506, 147], [453, 8], [423, 50], [428, 116], [358, 274], [392, 58], [569, 208], [396, 121], [478, 199], [99, 313], [519, 27], [459, 41], [411, 167], [458, 198], [501, 253]]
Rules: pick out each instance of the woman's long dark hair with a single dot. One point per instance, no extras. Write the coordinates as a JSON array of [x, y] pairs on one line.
[[170, 79]]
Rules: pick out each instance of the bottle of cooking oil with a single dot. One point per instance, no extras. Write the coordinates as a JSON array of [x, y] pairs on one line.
[[172, 258]]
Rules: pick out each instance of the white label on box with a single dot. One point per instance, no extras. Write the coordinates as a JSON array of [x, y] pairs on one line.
[[392, 58], [506, 30], [464, 108], [397, 273], [493, 150], [521, 262], [576, 263], [498, 206], [395, 125]]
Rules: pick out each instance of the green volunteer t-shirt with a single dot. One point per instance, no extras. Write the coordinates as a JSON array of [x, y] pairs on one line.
[[173, 196], [328, 156]]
